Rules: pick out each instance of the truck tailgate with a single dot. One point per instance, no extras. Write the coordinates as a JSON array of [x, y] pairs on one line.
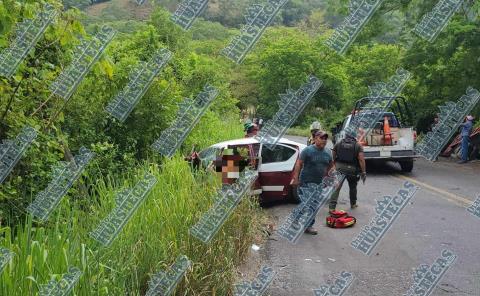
[[403, 148]]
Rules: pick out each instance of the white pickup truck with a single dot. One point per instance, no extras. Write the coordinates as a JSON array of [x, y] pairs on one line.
[[398, 144]]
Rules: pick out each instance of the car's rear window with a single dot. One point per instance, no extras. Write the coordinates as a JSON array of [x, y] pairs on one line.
[[278, 154]]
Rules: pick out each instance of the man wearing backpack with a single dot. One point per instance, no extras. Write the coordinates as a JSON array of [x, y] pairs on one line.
[[349, 160]]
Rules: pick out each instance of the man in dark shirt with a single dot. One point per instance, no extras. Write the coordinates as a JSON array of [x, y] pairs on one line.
[[350, 161], [314, 163]]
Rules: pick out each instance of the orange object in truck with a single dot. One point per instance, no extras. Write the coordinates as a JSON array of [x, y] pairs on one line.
[[387, 134], [361, 138]]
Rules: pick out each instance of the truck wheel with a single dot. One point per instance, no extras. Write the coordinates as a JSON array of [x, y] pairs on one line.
[[406, 165], [293, 196]]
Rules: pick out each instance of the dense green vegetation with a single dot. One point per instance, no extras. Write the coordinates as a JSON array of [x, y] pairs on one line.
[[150, 242], [288, 52]]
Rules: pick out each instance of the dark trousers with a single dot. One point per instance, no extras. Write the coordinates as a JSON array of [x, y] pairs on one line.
[[352, 185], [302, 199]]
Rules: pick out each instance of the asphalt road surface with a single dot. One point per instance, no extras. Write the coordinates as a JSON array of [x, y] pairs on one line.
[[435, 219]]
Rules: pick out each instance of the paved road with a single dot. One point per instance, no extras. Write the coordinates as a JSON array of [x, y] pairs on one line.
[[435, 219]]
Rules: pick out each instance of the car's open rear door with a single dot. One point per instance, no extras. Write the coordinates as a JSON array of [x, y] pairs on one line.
[[275, 171]]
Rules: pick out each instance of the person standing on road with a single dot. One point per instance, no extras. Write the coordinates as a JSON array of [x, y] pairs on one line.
[[314, 127], [466, 127], [350, 161], [313, 164]]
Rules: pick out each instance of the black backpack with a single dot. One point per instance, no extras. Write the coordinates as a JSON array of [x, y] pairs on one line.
[[347, 151], [346, 157]]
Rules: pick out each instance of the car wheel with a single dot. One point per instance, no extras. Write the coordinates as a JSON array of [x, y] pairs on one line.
[[406, 165], [293, 196]]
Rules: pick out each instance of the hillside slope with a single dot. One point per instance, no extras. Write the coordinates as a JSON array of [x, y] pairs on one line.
[[116, 10]]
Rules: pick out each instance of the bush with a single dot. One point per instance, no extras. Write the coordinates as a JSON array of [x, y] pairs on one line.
[[155, 235]]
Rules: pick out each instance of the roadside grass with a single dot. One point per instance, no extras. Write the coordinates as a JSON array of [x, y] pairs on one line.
[[156, 234], [299, 131], [152, 239]]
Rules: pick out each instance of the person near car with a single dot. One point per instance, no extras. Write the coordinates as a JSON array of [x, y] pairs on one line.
[[251, 130], [349, 160], [314, 127], [466, 130], [260, 123], [312, 166]]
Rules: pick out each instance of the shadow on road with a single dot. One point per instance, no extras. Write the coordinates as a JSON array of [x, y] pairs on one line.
[[376, 167]]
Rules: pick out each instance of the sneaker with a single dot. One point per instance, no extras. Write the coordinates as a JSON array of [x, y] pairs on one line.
[[311, 230], [354, 206]]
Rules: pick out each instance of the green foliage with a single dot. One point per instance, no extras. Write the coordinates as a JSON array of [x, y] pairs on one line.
[[168, 32], [284, 59], [155, 235], [444, 69], [289, 51], [295, 11], [299, 131], [82, 120], [76, 3], [225, 12], [206, 30]]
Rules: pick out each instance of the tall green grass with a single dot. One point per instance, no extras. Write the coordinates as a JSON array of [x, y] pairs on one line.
[[155, 235], [299, 131]]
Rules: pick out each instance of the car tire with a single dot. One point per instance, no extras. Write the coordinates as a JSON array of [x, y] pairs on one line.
[[293, 196], [406, 165]]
